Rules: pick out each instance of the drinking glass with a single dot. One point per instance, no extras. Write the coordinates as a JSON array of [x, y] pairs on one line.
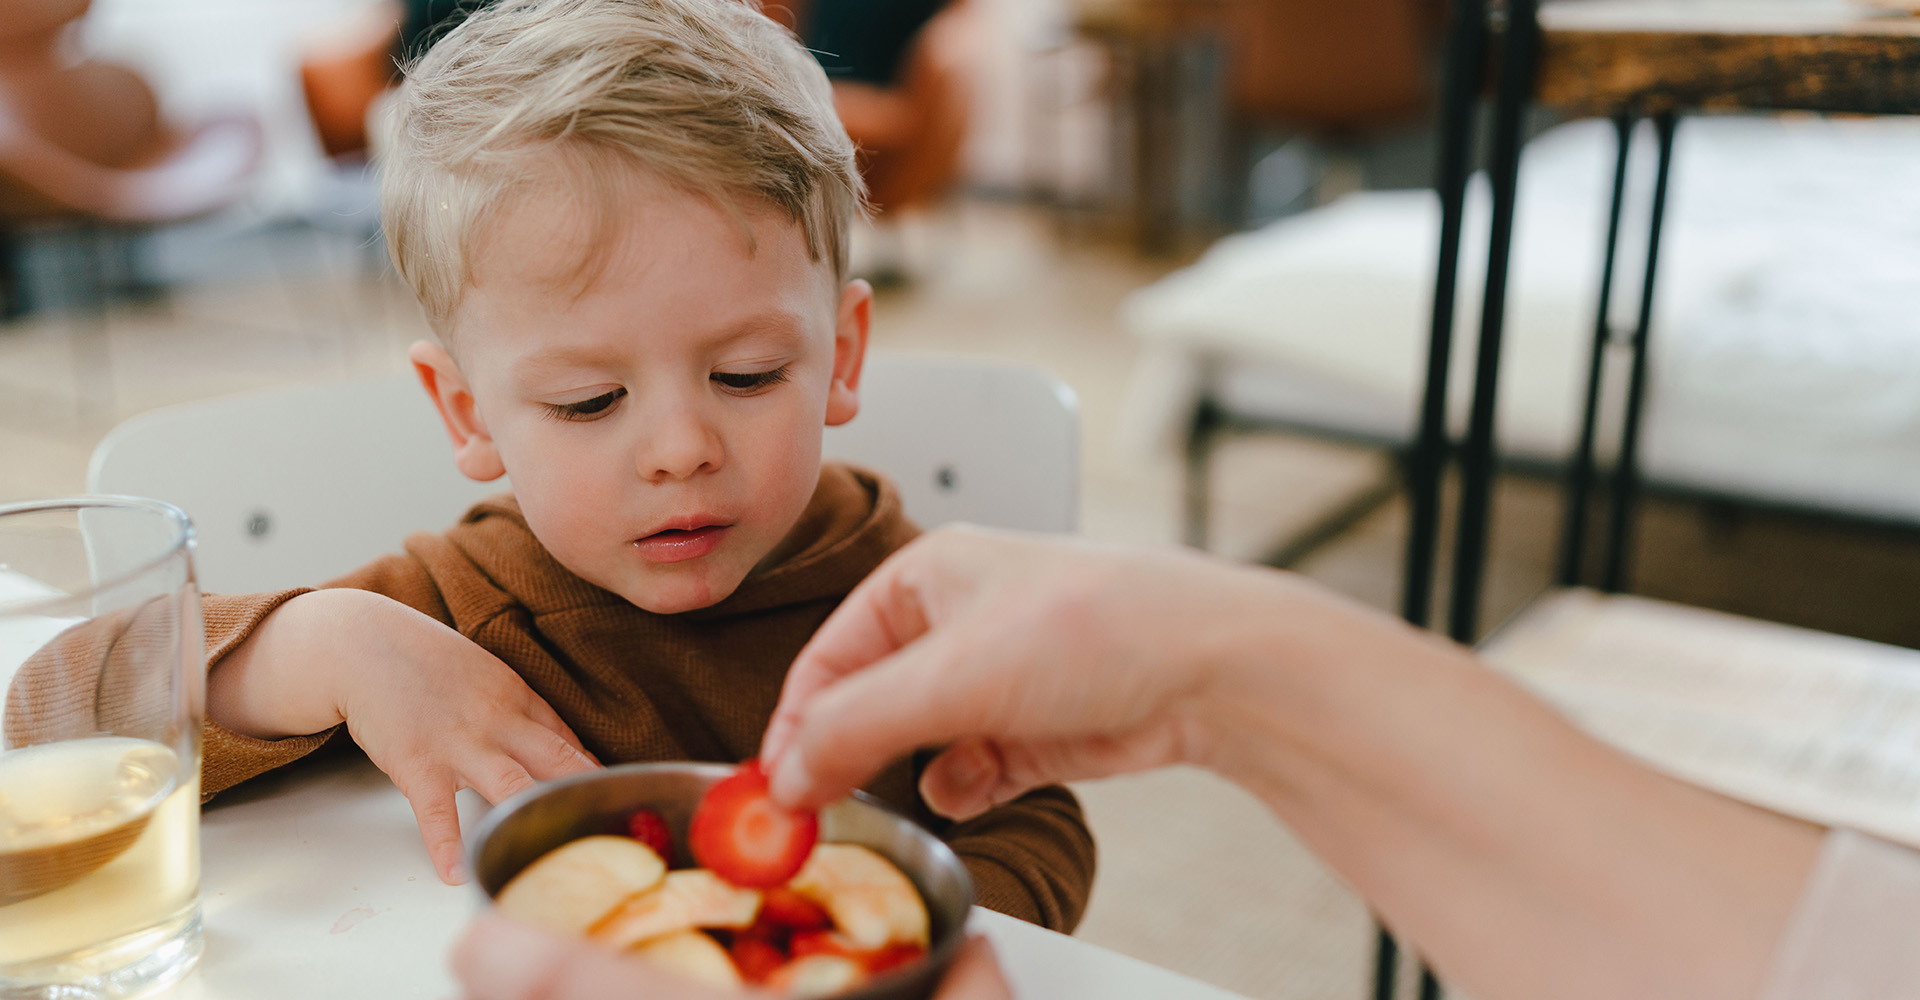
[[102, 661]]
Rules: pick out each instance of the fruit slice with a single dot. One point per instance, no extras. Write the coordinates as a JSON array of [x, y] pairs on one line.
[[647, 827], [816, 976], [573, 886], [684, 900], [756, 957], [744, 837], [870, 901], [783, 907], [872, 961], [695, 956]]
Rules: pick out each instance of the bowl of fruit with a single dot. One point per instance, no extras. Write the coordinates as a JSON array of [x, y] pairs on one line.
[[695, 868]]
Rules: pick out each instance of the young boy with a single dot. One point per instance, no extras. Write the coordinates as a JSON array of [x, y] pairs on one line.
[[627, 222]]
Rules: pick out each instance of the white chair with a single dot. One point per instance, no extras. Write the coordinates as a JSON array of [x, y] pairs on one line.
[[300, 484]]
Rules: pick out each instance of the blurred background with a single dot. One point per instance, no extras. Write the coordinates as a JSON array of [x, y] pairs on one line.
[[1168, 203]]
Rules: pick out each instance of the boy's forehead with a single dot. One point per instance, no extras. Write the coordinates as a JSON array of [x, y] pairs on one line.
[[556, 246]]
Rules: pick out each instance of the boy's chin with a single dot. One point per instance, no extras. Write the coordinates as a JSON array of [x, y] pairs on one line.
[[680, 592]]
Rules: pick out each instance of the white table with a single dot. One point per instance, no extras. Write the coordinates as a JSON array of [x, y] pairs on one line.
[[315, 885]]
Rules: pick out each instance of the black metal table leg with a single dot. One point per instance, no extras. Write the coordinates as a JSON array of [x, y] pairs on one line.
[[1573, 537], [1460, 88], [1625, 474], [13, 299], [1518, 56], [1197, 492]]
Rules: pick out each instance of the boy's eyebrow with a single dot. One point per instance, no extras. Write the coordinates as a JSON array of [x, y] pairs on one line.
[[781, 323]]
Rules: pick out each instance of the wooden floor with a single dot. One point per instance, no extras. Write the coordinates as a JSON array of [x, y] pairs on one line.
[[1194, 874]]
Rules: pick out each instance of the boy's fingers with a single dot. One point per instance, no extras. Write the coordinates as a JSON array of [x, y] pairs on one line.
[[544, 714], [546, 755], [439, 819], [497, 776]]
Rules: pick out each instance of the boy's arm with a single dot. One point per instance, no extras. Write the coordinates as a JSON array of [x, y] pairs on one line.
[[430, 707], [1032, 858], [259, 719]]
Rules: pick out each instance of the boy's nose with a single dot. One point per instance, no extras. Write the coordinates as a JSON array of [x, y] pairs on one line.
[[680, 445]]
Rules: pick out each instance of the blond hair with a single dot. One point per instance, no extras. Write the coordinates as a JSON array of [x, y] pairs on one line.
[[708, 95]]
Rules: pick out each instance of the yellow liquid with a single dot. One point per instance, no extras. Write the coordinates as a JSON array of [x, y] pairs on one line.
[[99, 839]]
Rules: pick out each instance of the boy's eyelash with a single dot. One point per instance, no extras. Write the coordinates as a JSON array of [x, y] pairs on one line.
[[751, 380], [586, 409]]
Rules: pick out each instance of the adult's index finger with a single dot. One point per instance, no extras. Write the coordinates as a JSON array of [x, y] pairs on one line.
[[851, 730], [880, 617]]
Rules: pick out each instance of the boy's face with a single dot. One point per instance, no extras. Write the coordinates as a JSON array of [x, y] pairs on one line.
[[662, 429]]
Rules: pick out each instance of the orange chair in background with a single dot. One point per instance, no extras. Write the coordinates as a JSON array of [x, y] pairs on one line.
[[910, 134]]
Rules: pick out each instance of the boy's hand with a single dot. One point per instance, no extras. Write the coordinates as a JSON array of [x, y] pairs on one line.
[[438, 714], [433, 710]]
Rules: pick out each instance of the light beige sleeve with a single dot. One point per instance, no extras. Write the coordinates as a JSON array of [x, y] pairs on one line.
[[1856, 932]]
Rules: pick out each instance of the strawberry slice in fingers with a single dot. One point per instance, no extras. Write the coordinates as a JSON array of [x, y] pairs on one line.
[[744, 837]]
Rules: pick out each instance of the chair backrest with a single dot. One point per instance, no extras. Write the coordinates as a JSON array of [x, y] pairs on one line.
[[296, 485]]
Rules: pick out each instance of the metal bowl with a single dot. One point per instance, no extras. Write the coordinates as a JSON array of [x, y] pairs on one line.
[[536, 821]]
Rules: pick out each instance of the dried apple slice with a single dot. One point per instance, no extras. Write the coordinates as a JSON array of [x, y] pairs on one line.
[[572, 887], [816, 976], [695, 956], [871, 902], [684, 900]]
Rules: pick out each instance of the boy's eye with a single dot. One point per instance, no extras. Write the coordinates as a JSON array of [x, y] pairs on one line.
[[585, 409], [749, 381]]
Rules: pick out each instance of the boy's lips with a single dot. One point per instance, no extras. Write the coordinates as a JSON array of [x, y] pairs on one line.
[[680, 543]]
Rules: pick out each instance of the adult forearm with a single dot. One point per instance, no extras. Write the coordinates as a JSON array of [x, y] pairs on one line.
[[1523, 858]]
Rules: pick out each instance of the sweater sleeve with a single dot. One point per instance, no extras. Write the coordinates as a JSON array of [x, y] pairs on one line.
[[1032, 858], [229, 758]]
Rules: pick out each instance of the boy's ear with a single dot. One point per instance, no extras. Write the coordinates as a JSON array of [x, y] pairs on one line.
[[473, 449], [849, 351]]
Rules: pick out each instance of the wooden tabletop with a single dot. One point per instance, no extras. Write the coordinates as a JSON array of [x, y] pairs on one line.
[[1598, 56]]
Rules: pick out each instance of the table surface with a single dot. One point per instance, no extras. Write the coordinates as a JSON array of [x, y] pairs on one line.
[[315, 885], [1807, 55]]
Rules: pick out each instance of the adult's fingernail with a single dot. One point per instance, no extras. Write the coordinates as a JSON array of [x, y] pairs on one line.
[[790, 780], [970, 768], [457, 873]]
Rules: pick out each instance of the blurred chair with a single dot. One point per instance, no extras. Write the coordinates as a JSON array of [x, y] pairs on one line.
[[909, 115], [1334, 74], [299, 484], [1201, 83], [82, 145]]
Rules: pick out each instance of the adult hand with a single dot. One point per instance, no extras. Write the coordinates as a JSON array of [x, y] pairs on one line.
[[499, 959], [1433, 785], [1045, 660]]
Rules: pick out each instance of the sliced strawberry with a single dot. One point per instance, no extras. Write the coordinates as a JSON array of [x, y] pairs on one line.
[[647, 827], [874, 961], [744, 837], [784, 907], [819, 943], [892, 957], [756, 958]]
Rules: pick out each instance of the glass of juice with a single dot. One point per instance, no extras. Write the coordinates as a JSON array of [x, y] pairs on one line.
[[103, 665]]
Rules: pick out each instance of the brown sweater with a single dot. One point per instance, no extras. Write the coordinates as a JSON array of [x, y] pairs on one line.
[[638, 686]]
